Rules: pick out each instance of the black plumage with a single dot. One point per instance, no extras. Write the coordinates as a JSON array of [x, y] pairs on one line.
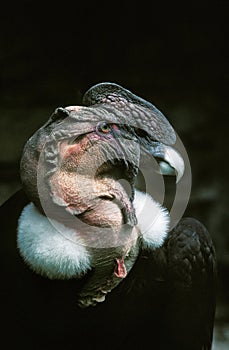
[[167, 300]]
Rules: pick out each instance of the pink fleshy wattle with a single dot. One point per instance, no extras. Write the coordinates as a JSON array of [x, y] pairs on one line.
[[120, 269]]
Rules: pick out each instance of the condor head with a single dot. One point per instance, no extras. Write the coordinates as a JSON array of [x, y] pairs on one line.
[[79, 169]]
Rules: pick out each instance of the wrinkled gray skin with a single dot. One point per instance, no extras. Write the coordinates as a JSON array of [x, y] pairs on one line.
[[64, 171], [106, 102]]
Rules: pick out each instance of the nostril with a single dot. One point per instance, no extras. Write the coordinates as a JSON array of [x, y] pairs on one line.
[[107, 197]]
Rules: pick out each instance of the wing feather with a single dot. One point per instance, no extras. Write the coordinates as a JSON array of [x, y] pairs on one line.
[[191, 273]]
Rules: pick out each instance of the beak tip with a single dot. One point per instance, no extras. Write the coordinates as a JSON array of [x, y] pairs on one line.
[[173, 157]]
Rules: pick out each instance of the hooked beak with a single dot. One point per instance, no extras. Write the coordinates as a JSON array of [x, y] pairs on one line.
[[169, 160]]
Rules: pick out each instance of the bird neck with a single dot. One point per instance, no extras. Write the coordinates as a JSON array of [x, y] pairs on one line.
[[57, 251]]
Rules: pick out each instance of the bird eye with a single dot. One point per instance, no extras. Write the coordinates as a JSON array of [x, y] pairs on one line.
[[104, 128]]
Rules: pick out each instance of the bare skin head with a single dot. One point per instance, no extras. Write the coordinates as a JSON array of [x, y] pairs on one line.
[[80, 169]]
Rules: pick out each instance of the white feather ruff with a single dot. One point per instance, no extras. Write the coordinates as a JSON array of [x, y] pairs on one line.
[[51, 253], [153, 220], [46, 250]]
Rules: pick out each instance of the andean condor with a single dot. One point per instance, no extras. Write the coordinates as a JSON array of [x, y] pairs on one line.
[[87, 260]]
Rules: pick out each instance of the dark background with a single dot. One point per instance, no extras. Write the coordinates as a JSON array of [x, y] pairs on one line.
[[175, 56]]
